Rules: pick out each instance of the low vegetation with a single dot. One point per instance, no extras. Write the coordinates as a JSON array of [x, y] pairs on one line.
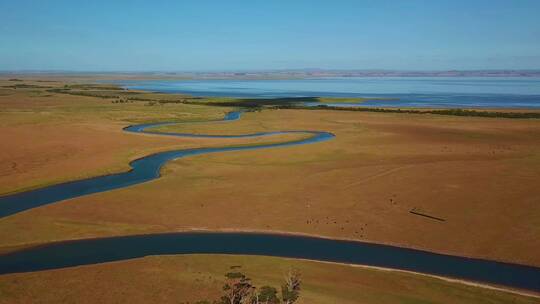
[[121, 95], [25, 86], [454, 112], [300, 103]]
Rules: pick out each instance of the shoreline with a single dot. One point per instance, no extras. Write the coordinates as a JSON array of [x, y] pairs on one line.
[[25, 247], [446, 279], [285, 74]]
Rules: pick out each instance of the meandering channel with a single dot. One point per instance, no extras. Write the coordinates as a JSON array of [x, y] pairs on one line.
[[143, 169], [91, 251]]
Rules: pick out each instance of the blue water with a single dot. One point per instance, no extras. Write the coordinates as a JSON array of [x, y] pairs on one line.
[[432, 92], [143, 169], [92, 251]]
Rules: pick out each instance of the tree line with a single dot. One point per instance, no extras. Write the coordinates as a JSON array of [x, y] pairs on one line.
[[238, 289]]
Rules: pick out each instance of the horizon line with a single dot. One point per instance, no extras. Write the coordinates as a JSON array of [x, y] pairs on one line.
[[263, 70]]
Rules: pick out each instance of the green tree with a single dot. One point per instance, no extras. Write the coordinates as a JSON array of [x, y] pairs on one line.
[[268, 295]]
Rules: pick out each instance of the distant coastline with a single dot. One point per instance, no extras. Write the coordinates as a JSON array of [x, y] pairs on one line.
[[270, 74]]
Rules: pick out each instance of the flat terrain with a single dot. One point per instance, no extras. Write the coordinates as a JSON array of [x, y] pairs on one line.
[[478, 175], [50, 138], [190, 278]]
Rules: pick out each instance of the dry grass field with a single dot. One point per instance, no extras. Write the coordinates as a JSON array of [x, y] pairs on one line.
[[479, 175], [191, 278], [50, 138]]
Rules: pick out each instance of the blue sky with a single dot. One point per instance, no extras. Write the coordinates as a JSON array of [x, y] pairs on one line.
[[243, 35]]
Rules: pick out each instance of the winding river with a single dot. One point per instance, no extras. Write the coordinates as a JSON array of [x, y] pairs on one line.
[[91, 251], [143, 169]]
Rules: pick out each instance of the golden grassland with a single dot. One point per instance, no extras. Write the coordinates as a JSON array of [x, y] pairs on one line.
[[472, 172], [191, 278], [478, 174], [74, 137]]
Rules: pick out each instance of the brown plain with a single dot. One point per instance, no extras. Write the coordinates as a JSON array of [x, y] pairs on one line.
[[50, 138], [480, 175]]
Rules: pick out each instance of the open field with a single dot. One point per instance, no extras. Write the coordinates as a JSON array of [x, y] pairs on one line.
[[190, 278], [477, 175], [77, 136], [471, 172]]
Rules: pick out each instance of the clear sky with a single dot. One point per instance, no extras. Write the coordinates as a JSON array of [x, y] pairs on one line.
[[241, 35]]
